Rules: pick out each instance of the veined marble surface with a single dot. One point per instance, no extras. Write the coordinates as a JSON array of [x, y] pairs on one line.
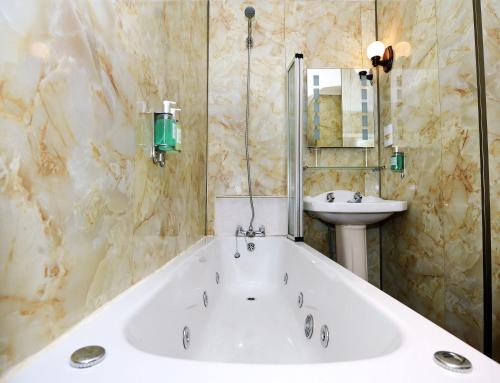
[[227, 101], [84, 213], [491, 42], [330, 34], [432, 254], [283, 28]]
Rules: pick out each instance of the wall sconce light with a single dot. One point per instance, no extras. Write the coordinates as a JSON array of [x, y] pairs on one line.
[[380, 55]]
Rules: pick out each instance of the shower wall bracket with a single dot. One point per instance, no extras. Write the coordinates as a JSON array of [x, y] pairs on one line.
[[157, 156]]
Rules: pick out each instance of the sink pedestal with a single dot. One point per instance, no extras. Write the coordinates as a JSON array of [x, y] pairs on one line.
[[350, 218], [351, 248]]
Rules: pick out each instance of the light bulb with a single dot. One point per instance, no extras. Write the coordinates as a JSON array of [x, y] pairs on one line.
[[377, 48]]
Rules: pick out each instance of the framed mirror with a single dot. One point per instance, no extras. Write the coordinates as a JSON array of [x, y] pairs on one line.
[[340, 108]]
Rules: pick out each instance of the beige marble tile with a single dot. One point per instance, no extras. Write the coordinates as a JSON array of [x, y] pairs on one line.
[[310, 27], [88, 213], [316, 235], [373, 251], [491, 42], [330, 34], [430, 97], [318, 181], [313, 25], [227, 100], [460, 177], [412, 242]]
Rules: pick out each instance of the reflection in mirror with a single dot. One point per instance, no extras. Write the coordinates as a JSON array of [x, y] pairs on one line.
[[340, 105]]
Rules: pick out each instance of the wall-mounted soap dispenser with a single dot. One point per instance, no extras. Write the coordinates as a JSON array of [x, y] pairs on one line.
[[164, 133], [398, 161], [178, 130]]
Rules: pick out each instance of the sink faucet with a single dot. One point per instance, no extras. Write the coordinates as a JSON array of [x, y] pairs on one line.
[[330, 197], [356, 198], [250, 233]]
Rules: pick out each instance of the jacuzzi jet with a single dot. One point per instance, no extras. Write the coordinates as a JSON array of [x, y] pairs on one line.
[[250, 246], [300, 300], [250, 299], [217, 277], [309, 326], [285, 279], [205, 299], [237, 254], [324, 336], [186, 337]]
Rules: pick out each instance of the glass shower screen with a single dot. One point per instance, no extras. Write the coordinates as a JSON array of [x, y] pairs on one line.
[[295, 92]]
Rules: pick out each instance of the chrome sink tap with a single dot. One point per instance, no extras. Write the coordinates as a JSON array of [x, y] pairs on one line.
[[356, 198], [330, 197]]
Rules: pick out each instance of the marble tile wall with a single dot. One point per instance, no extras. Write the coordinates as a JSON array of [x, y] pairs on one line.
[[490, 10], [330, 33], [84, 213], [227, 101], [334, 34], [432, 254], [461, 173]]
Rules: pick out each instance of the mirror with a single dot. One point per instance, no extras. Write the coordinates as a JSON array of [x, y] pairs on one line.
[[340, 108]]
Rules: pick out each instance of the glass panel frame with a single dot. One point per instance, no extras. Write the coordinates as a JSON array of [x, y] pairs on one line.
[[295, 101]]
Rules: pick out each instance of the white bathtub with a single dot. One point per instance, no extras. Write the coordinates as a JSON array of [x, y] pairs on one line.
[[373, 338]]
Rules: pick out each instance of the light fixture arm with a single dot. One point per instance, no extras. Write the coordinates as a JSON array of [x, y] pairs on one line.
[[386, 61]]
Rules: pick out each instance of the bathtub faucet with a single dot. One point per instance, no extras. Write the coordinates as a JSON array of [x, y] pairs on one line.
[[250, 233]]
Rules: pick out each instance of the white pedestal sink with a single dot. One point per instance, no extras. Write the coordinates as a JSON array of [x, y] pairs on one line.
[[350, 220]]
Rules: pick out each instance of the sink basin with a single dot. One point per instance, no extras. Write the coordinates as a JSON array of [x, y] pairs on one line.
[[350, 220], [340, 212]]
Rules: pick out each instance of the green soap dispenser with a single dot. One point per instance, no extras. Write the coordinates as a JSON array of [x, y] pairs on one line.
[[171, 131], [178, 129], [164, 128], [397, 160]]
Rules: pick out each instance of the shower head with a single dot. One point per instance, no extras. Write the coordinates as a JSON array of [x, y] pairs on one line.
[[249, 12]]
